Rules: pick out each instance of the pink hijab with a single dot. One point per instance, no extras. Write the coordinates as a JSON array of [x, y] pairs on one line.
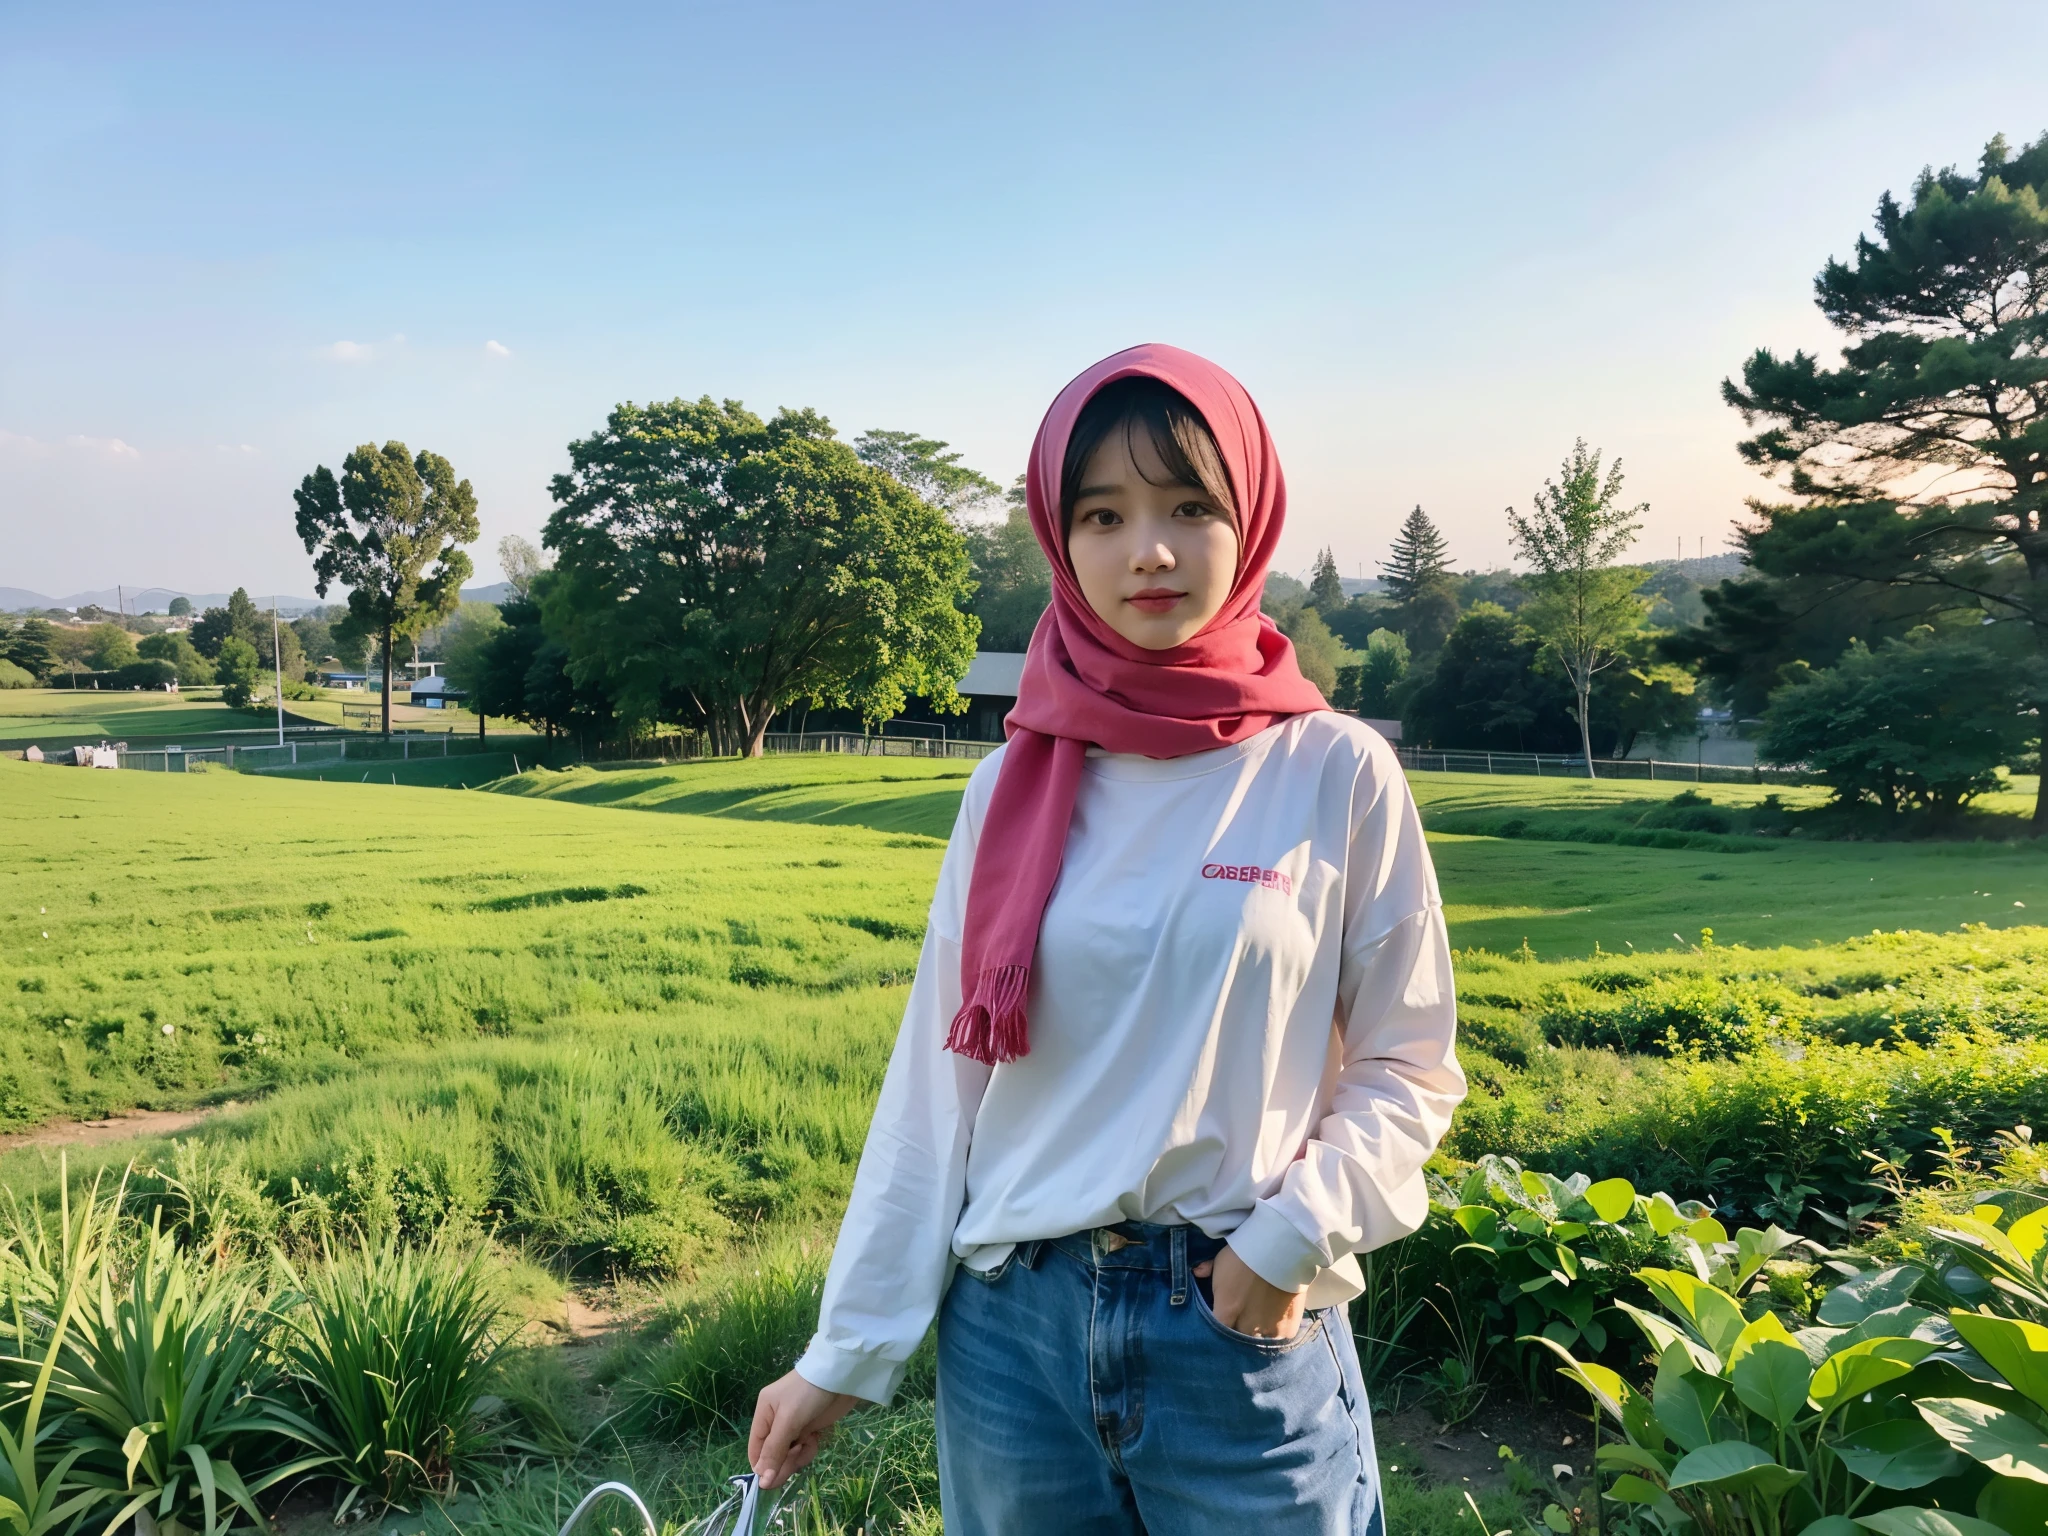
[[1086, 685]]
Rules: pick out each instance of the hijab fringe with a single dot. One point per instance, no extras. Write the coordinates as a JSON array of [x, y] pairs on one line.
[[990, 1026]]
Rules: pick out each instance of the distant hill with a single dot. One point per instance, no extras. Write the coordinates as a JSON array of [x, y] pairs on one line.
[[158, 599]]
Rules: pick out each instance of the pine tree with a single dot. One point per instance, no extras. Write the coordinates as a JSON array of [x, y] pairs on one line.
[[1419, 559], [1915, 466], [1325, 590]]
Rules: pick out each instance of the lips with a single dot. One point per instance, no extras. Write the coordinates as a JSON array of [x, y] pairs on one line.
[[1155, 599]]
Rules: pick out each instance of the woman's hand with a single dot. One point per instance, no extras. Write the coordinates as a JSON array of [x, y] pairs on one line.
[[1248, 1304], [792, 1419]]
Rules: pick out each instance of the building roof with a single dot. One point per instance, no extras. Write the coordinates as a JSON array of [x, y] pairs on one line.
[[997, 674]]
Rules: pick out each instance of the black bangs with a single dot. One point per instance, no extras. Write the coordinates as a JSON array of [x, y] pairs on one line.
[[1174, 428]]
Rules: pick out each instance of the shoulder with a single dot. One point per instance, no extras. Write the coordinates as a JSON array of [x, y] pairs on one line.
[[1333, 745], [981, 785]]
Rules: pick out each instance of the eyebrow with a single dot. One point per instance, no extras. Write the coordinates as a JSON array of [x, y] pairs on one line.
[[1097, 490]]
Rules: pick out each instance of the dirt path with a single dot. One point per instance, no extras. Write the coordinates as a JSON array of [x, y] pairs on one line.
[[128, 1126]]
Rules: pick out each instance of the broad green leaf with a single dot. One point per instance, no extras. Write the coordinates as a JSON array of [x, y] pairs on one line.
[[1612, 1199], [1664, 1214], [1714, 1313], [1662, 1334], [1630, 1489], [1641, 1425], [2014, 1504], [1980, 1233], [1706, 1231], [1565, 1231], [1855, 1299], [1898, 1454], [1633, 1456], [1989, 1213], [1754, 1333], [2029, 1233], [1734, 1464], [1926, 1522], [1557, 1520], [1539, 1187], [1900, 1322], [1604, 1386], [2019, 1350], [1832, 1525], [2006, 1443], [1479, 1221], [1862, 1367], [1685, 1401], [1771, 1377]]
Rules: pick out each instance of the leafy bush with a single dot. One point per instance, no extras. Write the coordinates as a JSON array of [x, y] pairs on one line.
[[704, 1375], [12, 676], [147, 674], [390, 1349], [1921, 723]]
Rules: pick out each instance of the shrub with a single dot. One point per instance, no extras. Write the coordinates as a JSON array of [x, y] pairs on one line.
[[1921, 723], [719, 1352], [149, 675], [1671, 1014], [168, 1385], [12, 676], [390, 1348]]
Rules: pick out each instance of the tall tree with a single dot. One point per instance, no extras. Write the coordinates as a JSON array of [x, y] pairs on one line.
[[929, 468], [1419, 558], [181, 607], [240, 619], [1585, 605], [1012, 583], [521, 562], [1485, 693], [1916, 465], [110, 646], [714, 566], [1325, 587], [378, 530]]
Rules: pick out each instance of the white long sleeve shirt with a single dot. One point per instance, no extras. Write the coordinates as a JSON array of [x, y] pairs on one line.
[[1241, 1016]]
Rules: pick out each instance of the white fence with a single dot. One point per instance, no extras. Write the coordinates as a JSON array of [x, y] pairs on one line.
[[876, 746], [309, 753], [1557, 766]]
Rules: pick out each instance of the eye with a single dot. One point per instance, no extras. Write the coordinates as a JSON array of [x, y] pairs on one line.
[[1194, 509], [1101, 517]]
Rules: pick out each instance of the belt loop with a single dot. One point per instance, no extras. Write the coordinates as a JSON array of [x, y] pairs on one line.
[[1180, 1266], [1027, 1253]]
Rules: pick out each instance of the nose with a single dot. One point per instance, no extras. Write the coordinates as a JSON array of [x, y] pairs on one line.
[[1155, 556]]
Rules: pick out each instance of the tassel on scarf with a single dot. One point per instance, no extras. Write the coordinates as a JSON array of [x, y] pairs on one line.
[[990, 1025]]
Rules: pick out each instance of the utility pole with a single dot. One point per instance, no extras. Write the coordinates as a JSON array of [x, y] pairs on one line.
[[277, 666]]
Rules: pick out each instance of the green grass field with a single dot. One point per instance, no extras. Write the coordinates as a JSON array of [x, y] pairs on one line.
[[633, 1020]]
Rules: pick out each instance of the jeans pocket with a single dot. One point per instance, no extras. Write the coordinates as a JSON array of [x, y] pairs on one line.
[[991, 1276], [1311, 1327]]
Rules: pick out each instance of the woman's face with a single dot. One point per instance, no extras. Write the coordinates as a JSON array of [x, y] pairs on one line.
[[1156, 562]]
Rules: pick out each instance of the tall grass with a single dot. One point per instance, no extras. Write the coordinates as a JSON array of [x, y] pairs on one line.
[[391, 1352]]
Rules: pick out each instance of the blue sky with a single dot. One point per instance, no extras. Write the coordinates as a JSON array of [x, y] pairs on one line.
[[1437, 243]]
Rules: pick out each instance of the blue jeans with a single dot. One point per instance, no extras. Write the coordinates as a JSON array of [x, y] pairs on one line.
[[1086, 1387]]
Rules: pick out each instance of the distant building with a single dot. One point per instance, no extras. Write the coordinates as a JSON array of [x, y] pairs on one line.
[[336, 677], [990, 689], [433, 692]]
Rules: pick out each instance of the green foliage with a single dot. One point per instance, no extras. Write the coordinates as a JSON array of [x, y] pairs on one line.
[[32, 647], [1921, 723], [1315, 649], [517, 671], [239, 621], [1326, 588], [170, 1385], [109, 646], [928, 470], [1418, 559], [391, 1350], [713, 1356], [1486, 694], [238, 670], [378, 529], [12, 676], [1586, 607], [466, 641], [1942, 369], [1012, 583], [192, 669], [714, 569], [1370, 687]]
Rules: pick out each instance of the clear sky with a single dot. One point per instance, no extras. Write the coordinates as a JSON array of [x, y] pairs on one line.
[[1436, 242]]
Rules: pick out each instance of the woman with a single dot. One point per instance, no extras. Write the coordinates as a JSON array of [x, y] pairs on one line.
[[1180, 1040]]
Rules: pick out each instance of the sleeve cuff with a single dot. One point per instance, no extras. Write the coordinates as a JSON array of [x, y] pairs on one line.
[[858, 1375], [1273, 1248]]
